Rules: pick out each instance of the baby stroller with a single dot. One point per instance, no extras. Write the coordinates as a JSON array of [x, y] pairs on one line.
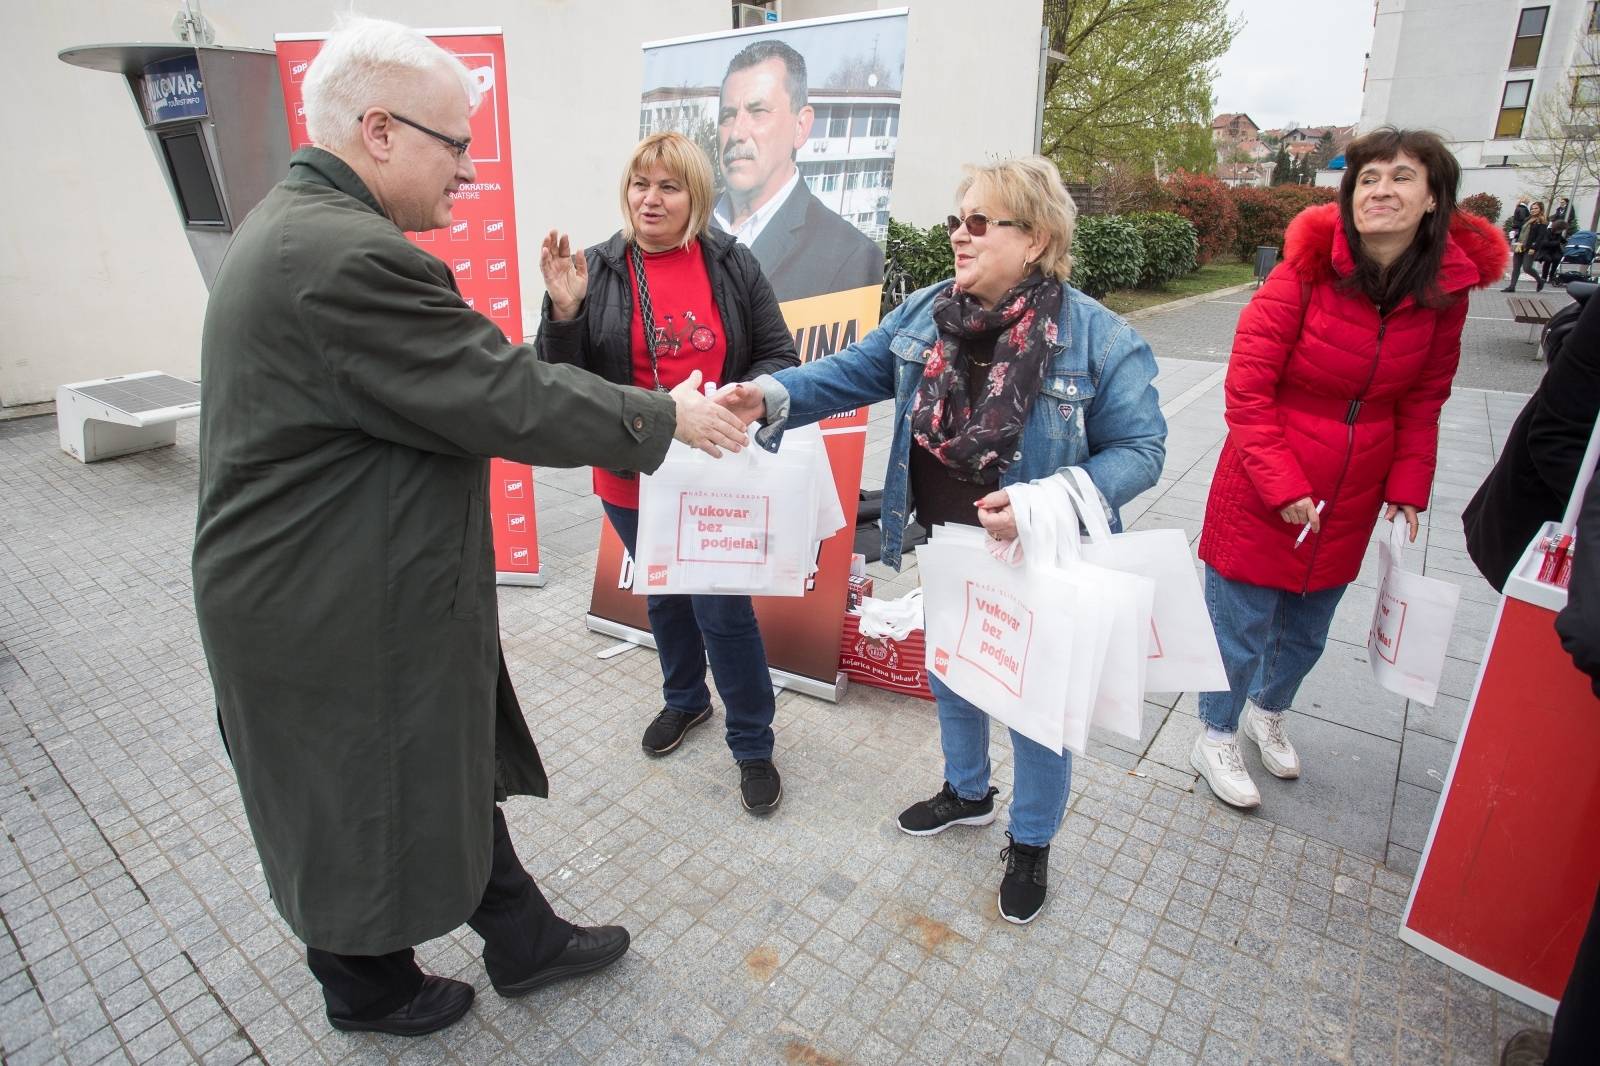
[[1577, 258]]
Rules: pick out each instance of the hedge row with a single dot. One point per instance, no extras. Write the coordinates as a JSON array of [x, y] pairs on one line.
[[1109, 252], [1173, 227]]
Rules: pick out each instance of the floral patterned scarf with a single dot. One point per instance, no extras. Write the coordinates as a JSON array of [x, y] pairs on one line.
[[977, 435]]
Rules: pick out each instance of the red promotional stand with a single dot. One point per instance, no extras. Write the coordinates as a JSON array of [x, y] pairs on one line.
[[1508, 875], [480, 245]]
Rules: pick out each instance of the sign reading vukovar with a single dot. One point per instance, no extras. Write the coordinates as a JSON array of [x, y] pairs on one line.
[[173, 89]]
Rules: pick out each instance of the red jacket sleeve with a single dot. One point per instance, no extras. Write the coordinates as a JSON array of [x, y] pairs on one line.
[[1268, 329], [1416, 414]]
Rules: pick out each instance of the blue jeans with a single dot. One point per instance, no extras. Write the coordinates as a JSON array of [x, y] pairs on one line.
[[688, 630], [1039, 777], [1269, 638]]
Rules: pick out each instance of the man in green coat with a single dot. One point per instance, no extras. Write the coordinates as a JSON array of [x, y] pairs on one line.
[[343, 563]]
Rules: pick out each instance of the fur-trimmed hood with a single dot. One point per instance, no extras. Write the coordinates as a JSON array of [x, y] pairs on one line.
[[1475, 256]]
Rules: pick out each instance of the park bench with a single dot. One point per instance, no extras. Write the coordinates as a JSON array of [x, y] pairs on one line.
[[1530, 311]]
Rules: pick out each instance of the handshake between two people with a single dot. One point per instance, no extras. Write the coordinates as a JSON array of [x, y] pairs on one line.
[[716, 422]]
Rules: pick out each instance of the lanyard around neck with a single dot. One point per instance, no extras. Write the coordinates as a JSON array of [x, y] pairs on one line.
[[648, 316]]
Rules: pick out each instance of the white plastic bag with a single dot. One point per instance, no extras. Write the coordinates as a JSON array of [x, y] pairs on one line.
[[1411, 624], [1119, 697], [1025, 643], [744, 524], [1182, 653]]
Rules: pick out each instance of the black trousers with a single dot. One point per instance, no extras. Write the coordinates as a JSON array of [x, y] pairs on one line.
[[520, 934], [1575, 1035]]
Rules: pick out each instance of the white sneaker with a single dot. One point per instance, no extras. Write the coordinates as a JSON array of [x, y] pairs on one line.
[[1221, 764], [1267, 730]]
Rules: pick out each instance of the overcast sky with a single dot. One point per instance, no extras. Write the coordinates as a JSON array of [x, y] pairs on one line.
[[1296, 62]]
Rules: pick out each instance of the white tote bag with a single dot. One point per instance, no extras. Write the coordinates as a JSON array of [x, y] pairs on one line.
[[1130, 596], [1182, 652], [1024, 642], [1410, 624], [739, 525], [1016, 641]]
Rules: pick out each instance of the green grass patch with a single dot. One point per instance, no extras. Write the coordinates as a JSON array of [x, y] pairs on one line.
[[1218, 274]]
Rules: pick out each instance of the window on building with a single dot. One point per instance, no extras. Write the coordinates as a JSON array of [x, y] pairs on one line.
[[839, 121], [852, 175], [1513, 109], [1530, 36], [894, 120], [858, 121], [1586, 90], [880, 122], [830, 176], [812, 174]]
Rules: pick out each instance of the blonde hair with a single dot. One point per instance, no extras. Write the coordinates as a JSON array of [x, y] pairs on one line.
[[679, 156], [1029, 189]]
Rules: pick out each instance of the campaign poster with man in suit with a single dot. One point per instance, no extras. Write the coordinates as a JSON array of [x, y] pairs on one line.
[[800, 122]]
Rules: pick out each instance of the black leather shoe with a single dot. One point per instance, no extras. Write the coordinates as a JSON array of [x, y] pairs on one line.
[[760, 786], [438, 1003], [666, 732], [591, 948]]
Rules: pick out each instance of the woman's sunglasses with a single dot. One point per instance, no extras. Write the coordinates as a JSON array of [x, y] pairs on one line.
[[978, 223]]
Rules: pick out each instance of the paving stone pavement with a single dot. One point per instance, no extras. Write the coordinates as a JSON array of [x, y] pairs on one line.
[[137, 926]]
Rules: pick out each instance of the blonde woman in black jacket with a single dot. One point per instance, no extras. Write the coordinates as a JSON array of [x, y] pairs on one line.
[[707, 308]]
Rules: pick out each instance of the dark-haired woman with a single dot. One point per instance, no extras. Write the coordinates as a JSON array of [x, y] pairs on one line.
[[1528, 248], [1340, 365]]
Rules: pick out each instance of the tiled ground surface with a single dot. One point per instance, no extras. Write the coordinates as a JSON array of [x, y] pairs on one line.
[[137, 926]]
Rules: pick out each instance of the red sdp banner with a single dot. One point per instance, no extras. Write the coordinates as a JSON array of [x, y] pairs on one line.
[[479, 246]]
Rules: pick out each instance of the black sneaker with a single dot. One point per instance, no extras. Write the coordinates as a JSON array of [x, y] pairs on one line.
[[666, 732], [760, 787], [1022, 890], [945, 810]]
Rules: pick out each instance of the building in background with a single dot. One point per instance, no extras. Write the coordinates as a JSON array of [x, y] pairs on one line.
[[100, 280], [1495, 79]]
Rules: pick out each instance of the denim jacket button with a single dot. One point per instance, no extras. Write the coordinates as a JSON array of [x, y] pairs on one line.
[[1072, 390]]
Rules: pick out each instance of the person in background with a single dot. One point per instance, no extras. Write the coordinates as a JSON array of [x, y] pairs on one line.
[[1340, 366], [1527, 246], [1560, 215], [1519, 215], [1548, 253], [1003, 374], [708, 310], [1533, 478], [343, 555]]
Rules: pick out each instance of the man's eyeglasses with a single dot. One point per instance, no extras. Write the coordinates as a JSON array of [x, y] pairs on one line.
[[977, 223], [458, 148]]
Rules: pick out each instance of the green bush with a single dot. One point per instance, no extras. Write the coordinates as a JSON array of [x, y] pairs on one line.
[[914, 258], [1169, 244], [1483, 204], [1107, 254]]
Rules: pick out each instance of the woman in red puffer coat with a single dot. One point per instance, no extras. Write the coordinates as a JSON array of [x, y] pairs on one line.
[[1340, 365]]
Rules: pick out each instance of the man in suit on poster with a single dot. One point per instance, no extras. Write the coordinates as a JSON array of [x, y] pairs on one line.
[[804, 248]]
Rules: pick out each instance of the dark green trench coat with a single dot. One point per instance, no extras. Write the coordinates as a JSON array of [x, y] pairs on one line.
[[343, 560]]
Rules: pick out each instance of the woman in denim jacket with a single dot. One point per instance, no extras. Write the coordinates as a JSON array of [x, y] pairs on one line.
[[1007, 374]]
